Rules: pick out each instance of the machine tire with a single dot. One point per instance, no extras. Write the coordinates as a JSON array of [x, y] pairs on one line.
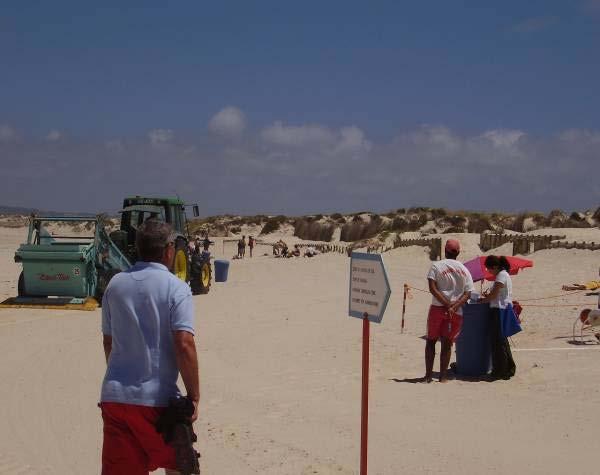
[[21, 286], [201, 280], [181, 261]]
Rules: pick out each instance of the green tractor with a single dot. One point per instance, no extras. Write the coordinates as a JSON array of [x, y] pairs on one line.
[[191, 266]]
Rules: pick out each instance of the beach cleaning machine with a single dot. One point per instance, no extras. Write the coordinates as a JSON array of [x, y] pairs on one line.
[[74, 258]]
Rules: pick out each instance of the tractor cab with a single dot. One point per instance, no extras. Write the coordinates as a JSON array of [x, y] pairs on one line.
[[189, 268]]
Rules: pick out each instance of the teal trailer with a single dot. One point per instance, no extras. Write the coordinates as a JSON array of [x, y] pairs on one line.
[[59, 262]]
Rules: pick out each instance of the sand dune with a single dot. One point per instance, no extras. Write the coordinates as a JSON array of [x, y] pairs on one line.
[[280, 374]]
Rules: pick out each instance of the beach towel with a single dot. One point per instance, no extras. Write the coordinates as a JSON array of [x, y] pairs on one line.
[[509, 322]]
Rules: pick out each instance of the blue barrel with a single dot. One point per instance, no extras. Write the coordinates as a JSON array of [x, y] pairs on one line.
[[473, 349], [221, 270]]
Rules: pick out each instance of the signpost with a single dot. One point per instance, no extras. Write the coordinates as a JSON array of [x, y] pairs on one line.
[[367, 299]]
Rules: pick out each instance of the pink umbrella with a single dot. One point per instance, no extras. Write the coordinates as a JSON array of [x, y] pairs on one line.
[[478, 271]]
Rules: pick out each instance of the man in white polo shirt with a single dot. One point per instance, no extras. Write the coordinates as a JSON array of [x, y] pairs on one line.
[[450, 284], [148, 328]]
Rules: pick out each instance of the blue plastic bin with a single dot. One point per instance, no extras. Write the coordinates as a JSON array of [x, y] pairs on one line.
[[473, 349], [221, 270]]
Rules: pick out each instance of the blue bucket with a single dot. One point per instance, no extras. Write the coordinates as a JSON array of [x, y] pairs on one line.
[[221, 270], [473, 347]]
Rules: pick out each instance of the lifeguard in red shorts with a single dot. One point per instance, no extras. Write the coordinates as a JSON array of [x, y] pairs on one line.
[[450, 284]]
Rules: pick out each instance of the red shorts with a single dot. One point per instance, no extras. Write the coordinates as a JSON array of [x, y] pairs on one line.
[[132, 446], [440, 325]]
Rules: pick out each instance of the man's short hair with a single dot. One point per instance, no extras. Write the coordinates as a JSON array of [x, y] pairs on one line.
[[152, 238]]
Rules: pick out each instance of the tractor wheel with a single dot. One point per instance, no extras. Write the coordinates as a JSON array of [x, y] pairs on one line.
[[181, 262], [21, 286], [201, 282]]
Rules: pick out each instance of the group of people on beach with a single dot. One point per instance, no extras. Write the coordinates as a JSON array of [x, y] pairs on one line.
[[451, 286], [242, 246]]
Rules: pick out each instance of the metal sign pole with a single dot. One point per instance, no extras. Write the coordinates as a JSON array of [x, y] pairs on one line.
[[403, 307], [364, 422]]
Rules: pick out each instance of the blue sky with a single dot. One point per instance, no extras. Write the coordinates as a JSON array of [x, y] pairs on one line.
[[301, 106]]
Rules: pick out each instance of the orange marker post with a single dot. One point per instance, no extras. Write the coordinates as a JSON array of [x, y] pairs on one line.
[[364, 413], [404, 307]]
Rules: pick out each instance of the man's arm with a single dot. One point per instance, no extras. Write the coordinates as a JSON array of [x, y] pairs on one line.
[[433, 288], [187, 362], [107, 343], [460, 302]]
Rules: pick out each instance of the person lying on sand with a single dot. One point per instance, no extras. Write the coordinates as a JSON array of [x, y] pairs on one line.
[[591, 285]]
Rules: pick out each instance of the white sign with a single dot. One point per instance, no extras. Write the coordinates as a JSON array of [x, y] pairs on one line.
[[369, 287]]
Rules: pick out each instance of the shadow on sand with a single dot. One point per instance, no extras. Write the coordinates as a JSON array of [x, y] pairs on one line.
[[451, 376]]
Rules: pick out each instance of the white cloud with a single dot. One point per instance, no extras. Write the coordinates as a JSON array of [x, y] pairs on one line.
[[160, 136], [297, 136], [8, 133], [54, 135], [300, 167], [228, 122], [503, 137], [352, 141]]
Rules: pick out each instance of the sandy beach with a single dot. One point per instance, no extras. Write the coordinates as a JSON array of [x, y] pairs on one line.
[[280, 375]]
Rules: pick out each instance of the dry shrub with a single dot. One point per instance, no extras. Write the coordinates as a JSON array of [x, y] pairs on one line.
[[478, 223], [418, 210], [456, 220], [235, 229], [576, 223], [255, 220], [356, 231], [438, 213], [337, 217], [273, 224], [575, 216], [454, 229], [540, 220], [557, 219], [596, 215], [517, 223], [310, 230], [399, 224]]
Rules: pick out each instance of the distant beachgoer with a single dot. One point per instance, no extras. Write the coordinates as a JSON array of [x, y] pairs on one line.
[[450, 284], [251, 244], [296, 251], [206, 243], [500, 298], [243, 246], [591, 285], [310, 252]]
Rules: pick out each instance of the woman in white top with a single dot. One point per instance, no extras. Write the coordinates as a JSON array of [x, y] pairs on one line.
[[500, 297]]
